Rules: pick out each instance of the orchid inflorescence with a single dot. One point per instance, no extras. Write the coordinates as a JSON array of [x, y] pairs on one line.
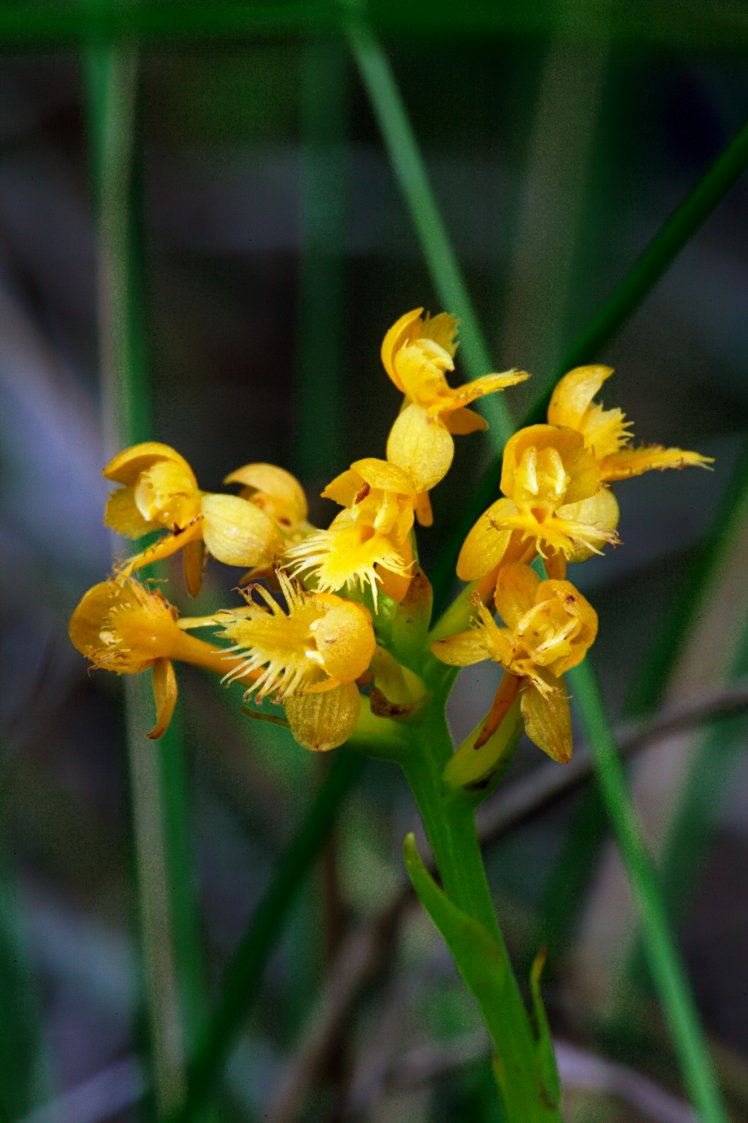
[[338, 630]]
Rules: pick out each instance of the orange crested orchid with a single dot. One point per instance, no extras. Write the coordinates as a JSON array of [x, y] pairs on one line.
[[368, 543], [126, 627], [550, 627], [317, 647], [159, 491], [606, 431], [554, 505], [416, 353]]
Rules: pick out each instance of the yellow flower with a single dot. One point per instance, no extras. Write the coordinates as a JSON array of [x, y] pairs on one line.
[[553, 497], [605, 431], [368, 543], [126, 627], [276, 492], [159, 491], [416, 353], [550, 627], [320, 645]]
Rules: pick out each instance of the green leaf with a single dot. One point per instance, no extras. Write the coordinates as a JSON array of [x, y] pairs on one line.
[[480, 960]]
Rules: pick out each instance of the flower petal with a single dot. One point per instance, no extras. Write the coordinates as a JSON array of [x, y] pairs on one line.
[[516, 587], [548, 720], [128, 464], [122, 515], [487, 542], [402, 331], [273, 489], [324, 721], [462, 649], [237, 532], [193, 560], [573, 395], [600, 511], [164, 695], [345, 640], [384, 475], [462, 421], [422, 446]]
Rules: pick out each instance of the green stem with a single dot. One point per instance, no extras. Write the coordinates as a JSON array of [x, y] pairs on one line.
[[449, 823]]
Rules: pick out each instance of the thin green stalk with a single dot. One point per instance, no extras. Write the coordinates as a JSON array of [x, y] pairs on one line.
[[244, 973], [168, 930], [620, 306], [450, 828], [662, 953], [412, 176]]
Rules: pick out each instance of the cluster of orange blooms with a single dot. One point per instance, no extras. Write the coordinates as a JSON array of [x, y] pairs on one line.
[[329, 636]]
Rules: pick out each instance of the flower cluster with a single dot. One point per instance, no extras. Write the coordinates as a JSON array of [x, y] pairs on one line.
[[334, 621]]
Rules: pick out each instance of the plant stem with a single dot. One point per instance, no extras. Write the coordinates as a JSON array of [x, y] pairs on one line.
[[449, 823]]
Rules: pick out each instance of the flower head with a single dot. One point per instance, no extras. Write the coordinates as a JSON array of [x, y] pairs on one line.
[[549, 628], [126, 627], [159, 492], [551, 485], [606, 431], [368, 543], [320, 644], [416, 353]]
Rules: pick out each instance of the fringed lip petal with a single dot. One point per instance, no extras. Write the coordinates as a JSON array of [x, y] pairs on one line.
[[122, 515], [634, 461]]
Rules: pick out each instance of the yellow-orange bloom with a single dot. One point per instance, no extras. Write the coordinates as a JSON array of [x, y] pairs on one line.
[[159, 491], [553, 497], [550, 627], [416, 353], [320, 644], [368, 543], [126, 627], [606, 431]]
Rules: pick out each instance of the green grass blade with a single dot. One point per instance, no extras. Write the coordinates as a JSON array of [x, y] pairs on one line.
[[167, 927], [579, 854], [663, 957], [412, 177], [244, 973]]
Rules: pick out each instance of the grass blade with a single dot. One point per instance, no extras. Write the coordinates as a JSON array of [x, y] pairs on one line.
[[244, 973], [662, 954], [412, 176]]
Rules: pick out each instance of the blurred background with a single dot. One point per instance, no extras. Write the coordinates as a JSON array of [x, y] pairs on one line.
[[270, 246]]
